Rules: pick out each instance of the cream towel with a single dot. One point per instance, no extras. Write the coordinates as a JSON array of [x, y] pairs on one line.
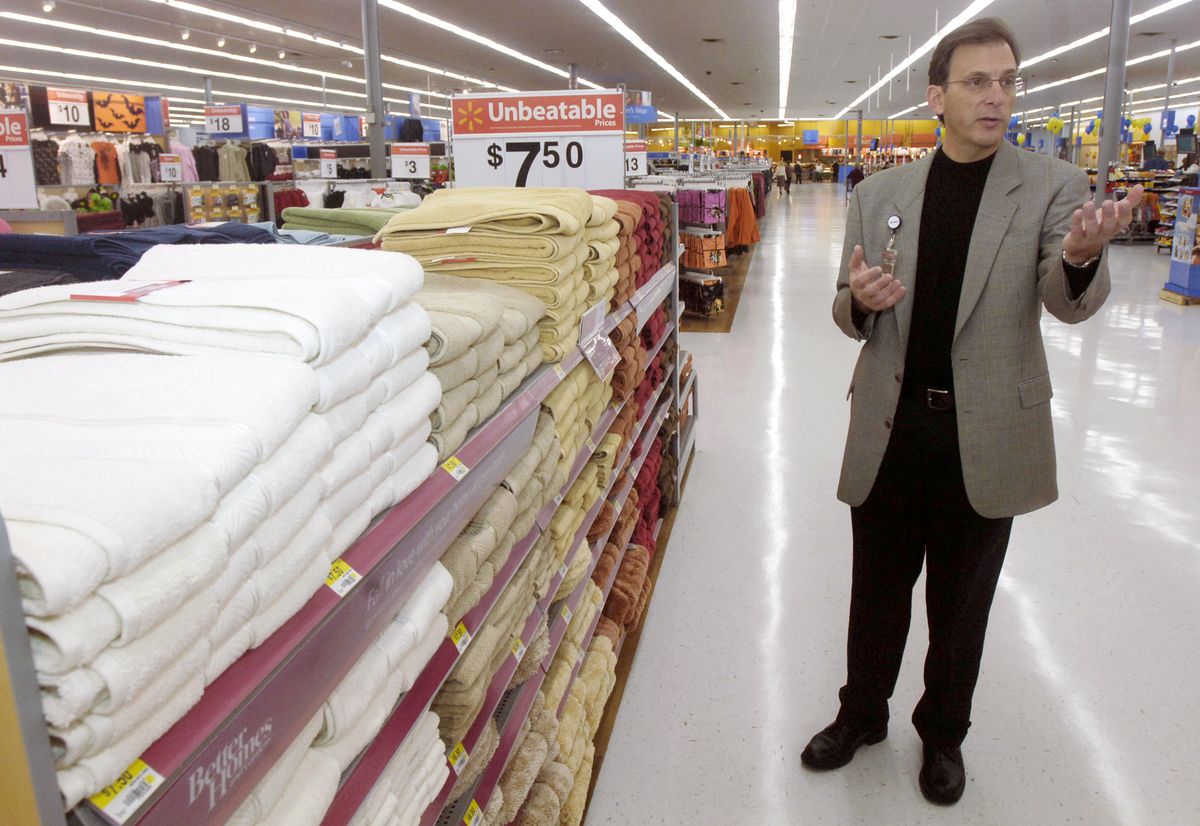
[[481, 243], [458, 320], [397, 276], [309, 792], [521, 311], [451, 438], [521, 276], [603, 210], [604, 232], [453, 373], [489, 399], [271, 788], [525, 211], [490, 347], [92, 774], [572, 811]]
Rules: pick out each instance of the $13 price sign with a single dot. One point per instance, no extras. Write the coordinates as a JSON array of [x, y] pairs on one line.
[[635, 158], [552, 138]]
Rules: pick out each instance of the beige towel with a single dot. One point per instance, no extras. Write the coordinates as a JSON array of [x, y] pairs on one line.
[[482, 243], [524, 211], [603, 210], [522, 310]]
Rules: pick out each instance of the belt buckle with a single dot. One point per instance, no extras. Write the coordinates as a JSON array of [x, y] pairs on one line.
[[937, 399]]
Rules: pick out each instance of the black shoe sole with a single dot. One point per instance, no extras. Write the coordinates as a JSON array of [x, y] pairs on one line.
[[950, 800], [868, 740]]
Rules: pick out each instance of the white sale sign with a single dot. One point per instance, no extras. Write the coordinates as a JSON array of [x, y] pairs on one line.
[[224, 120], [18, 189], [635, 158], [311, 125], [410, 160], [68, 107], [553, 138], [328, 163], [170, 168]]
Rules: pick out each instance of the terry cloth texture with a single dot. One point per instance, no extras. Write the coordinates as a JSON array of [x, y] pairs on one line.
[[525, 211], [342, 221]]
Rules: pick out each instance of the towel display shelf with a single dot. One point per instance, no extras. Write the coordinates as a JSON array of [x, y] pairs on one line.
[[278, 686], [514, 709], [687, 388], [657, 348]]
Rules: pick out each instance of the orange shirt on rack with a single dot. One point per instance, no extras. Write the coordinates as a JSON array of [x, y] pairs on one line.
[[108, 170]]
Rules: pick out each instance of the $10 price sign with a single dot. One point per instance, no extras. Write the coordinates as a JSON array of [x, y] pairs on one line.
[[540, 139], [68, 107]]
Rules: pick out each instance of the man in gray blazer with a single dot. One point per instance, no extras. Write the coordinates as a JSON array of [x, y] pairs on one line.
[[950, 430]]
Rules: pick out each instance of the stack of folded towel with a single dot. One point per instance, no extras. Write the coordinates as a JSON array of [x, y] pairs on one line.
[[544, 803], [411, 780], [484, 546], [625, 425], [483, 344], [271, 496], [650, 496], [652, 231], [481, 755], [536, 747], [532, 239], [604, 244], [577, 405], [578, 564], [631, 589], [300, 787], [631, 369], [558, 676], [343, 221], [656, 325]]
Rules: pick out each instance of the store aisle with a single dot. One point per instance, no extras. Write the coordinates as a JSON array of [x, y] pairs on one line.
[[1086, 709]]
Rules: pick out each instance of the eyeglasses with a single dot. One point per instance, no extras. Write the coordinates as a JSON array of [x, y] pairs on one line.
[[980, 84]]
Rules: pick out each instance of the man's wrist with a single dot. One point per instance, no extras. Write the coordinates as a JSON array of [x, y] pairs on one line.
[[1081, 261]]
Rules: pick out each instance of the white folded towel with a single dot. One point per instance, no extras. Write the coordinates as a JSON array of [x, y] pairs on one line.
[[407, 479], [93, 773], [313, 320], [227, 653], [271, 788], [115, 675], [74, 638], [415, 661], [271, 618], [309, 792], [271, 580], [388, 342], [259, 398], [75, 524], [396, 276], [407, 762], [95, 732]]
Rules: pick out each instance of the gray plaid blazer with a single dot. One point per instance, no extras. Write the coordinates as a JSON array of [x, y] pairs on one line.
[[1001, 381]]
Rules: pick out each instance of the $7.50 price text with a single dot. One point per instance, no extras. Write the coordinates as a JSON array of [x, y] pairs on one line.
[[572, 155]]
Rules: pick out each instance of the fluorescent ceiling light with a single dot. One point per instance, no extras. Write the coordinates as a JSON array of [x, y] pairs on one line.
[[174, 67], [928, 46], [474, 37], [1096, 35], [629, 34], [787, 34]]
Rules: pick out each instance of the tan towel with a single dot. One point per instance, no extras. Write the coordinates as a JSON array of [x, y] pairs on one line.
[[532, 210], [606, 231], [453, 373], [603, 210], [430, 247], [521, 310]]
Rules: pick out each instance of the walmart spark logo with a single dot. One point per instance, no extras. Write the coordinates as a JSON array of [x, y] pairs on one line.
[[470, 116]]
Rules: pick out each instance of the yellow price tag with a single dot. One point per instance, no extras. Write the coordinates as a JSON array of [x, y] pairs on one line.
[[518, 649], [591, 446], [566, 614], [560, 372], [342, 577], [455, 468], [121, 799], [459, 758], [461, 637], [562, 571], [474, 816]]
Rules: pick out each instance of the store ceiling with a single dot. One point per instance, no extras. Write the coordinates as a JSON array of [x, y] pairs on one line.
[[838, 45]]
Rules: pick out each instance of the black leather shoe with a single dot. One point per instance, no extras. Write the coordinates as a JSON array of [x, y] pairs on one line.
[[834, 747], [943, 777]]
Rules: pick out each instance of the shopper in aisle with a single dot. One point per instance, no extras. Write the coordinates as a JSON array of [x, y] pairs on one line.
[[781, 177], [1189, 165], [836, 167], [950, 429], [1158, 162], [855, 177]]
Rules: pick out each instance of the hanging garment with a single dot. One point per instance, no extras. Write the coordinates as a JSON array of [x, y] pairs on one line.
[[108, 170], [232, 163]]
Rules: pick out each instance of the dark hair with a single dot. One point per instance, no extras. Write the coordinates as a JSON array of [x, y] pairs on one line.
[[985, 30]]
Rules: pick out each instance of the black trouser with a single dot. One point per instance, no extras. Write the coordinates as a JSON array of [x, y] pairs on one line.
[[918, 510]]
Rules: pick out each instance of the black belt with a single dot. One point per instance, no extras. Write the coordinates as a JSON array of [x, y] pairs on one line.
[[931, 397]]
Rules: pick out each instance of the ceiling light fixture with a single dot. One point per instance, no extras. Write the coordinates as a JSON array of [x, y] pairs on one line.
[[220, 43], [253, 48], [598, 8], [1096, 35], [48, 6], [467, 34], [787, 33], [185, 34], [928, 46], [282, 54]]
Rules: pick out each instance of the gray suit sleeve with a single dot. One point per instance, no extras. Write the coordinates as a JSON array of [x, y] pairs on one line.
[[1052, 280], [843, 304]]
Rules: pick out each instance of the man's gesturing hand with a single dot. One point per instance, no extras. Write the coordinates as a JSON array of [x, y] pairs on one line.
[[1092, 228], [873, 289]]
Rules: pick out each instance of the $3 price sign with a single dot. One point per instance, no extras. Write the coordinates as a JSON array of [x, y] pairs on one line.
[[571, 155]]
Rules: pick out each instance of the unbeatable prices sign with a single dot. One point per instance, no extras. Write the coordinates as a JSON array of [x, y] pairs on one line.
[[539, 113], [543, 139]]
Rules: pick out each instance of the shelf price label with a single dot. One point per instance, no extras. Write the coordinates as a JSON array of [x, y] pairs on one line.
[[635, 158], [518, 649], [18, 189], [473, 816], [68, 107], [170, 168], [121, 799], [455, 468], [328, 163], [310, 125], [410, 160], [458, 758], [224, 120], [342, 577], [541, 139], [461, 637]]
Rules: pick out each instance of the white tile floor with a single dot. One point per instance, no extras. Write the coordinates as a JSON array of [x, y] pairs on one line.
[[1088, 708]]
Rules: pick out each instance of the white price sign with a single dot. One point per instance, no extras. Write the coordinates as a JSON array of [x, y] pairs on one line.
[[328, 163], [556, 138], [311, 125], [170, 168], [18, 189], [410, 160], [68, 107], [635, 158], [224, 120]]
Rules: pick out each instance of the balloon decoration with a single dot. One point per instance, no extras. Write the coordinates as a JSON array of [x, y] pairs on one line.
[[1126, 123], [1091, 127], [938, 133], [1021, 139], [1191, 121], [1055, 124], [1012, 123], [1147, 128]]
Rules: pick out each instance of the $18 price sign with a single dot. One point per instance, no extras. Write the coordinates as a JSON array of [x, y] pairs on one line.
[[556, 138]]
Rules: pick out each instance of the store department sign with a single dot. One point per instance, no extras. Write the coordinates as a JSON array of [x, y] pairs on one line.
[[551, 138], [18, 189]]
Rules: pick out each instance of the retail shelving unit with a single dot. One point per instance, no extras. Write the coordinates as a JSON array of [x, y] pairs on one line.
[[282, 683]]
